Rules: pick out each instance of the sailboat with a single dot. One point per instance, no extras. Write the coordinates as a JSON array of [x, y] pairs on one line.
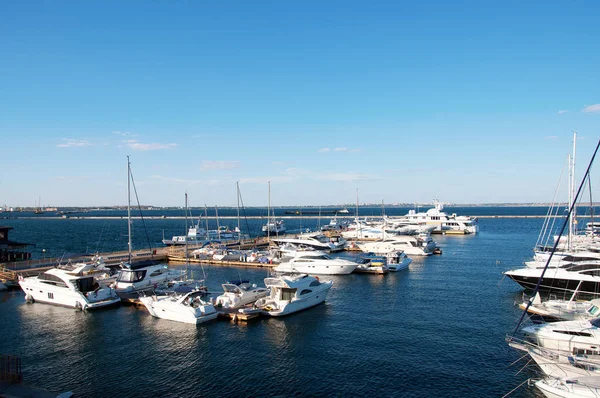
[[38, 208], [273, 226], [138, 276]]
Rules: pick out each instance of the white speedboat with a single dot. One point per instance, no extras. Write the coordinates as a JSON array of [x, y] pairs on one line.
[[239, 293], [315, 262], [373, 265], [290, 294], [398, 261], [70, 287], [274, 227], [186, 308]]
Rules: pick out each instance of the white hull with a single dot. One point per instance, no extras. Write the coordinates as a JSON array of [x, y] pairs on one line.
[[230, 300], [63, 296], [574, 388], [297, 305], [164, 307], [317, 269]]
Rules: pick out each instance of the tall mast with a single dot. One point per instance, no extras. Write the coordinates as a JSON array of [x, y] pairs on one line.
[[129, 207], [269, 214], [237, 188], [573, 218], [186, 228]]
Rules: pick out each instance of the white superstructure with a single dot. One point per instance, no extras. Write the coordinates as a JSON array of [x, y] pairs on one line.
[[186, 308]]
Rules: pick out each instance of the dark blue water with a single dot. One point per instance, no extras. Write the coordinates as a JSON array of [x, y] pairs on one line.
[[437, 329]]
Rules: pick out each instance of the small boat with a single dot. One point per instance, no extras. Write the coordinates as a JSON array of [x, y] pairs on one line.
[[186, 308], [568, 336], [560, 310], [373, 265], [70, 287], [397, 261], [135, 278], [239, 293], [290, 294], [315, 240]]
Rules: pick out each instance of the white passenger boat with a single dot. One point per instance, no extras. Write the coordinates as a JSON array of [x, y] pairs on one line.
[[70, 287], [186, 308], [135, 278], [315, 262], [397, 261], [239, 293], [289, 294], [373, 265]]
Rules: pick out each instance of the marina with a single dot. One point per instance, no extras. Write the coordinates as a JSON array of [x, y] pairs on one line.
[[466, 276]]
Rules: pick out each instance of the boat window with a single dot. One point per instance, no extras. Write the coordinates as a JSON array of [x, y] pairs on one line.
[[287, 294], [305, 291], [573, 333], [593, 310], [131, 276], [314, 283], [595, 322], [157, 272], [582, 351]]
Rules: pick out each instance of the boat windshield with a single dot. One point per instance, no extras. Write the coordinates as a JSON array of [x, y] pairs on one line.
[[85, 285], [595, 322], [131, 276], [230, 288]]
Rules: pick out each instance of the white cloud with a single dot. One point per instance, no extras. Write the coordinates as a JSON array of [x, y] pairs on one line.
[[340, 149], [324, 150], [551, 137], [562, 112], [139, 146], [124, 134], [72, 143], [219, 164], [591, 108]]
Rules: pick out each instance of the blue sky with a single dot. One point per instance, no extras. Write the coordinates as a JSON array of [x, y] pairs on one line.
[[467, 102]]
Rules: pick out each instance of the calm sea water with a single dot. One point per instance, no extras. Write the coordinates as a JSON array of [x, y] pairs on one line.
[[437, 329]]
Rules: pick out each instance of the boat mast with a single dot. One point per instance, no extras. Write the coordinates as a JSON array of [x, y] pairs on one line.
[[129, 208], [269, 214], [186, 228], [237, 188], [573, 219]]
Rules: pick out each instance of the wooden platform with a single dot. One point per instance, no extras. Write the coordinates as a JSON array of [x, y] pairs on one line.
[[225, 263]]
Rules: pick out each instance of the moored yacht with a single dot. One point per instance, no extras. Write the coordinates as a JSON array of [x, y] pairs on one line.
[[289, 294], [239, 293], [317, 241], [569, 336], [186, 308], [421, 245], [443, 222], [70, 287], [569, 277], [315, 262], [135, 278]]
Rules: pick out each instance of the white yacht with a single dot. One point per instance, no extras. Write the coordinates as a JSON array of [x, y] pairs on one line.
[[569, 336], [421, 245], [561, 310], [70, 287], [186, 308], [443, 222], [317, 241], [239, 293], [397, 261], [274, 227], [289, 294], [585, 386], [135, 278], [315, 262], [582, 277]]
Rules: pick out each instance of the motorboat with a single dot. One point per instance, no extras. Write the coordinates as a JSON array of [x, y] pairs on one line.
[[576, 337], [560, 310], [397, 261], [135, 278], [239, 293], [68, 286], [373, 265], [315, 262], [420, 245], [289, 294], [315, 240], [274, 227], [186, 308], [568, 387], [583, 277]]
